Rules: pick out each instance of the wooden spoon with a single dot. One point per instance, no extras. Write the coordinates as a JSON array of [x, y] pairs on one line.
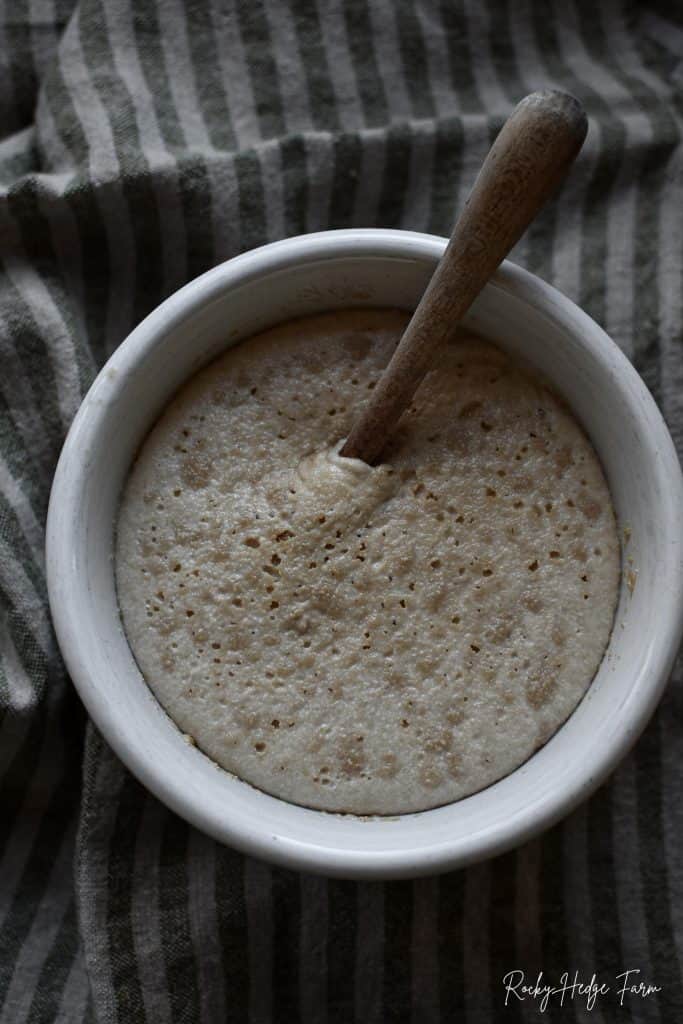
[[526, 163]]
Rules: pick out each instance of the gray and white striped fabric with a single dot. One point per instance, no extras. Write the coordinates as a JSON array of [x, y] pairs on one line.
[[142, 141]]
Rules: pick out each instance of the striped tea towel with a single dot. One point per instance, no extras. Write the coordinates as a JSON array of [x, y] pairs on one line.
[[141, 142]]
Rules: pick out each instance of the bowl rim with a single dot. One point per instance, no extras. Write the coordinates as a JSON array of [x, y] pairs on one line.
[[69, 481]]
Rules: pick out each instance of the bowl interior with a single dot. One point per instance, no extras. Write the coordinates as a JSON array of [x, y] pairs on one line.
[[311, 274]]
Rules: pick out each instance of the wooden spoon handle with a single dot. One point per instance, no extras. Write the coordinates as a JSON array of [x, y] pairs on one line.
[[526, 163]]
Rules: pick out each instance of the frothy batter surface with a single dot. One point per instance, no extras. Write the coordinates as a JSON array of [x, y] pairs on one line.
[[368, 640]]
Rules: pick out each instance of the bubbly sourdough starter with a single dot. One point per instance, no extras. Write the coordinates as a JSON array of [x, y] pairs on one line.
[[366, 640]]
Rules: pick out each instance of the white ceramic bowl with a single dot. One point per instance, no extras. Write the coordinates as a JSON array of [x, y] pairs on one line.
[[327, 271]]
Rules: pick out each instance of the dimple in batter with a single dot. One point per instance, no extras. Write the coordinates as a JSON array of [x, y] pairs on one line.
[[379, 640]]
